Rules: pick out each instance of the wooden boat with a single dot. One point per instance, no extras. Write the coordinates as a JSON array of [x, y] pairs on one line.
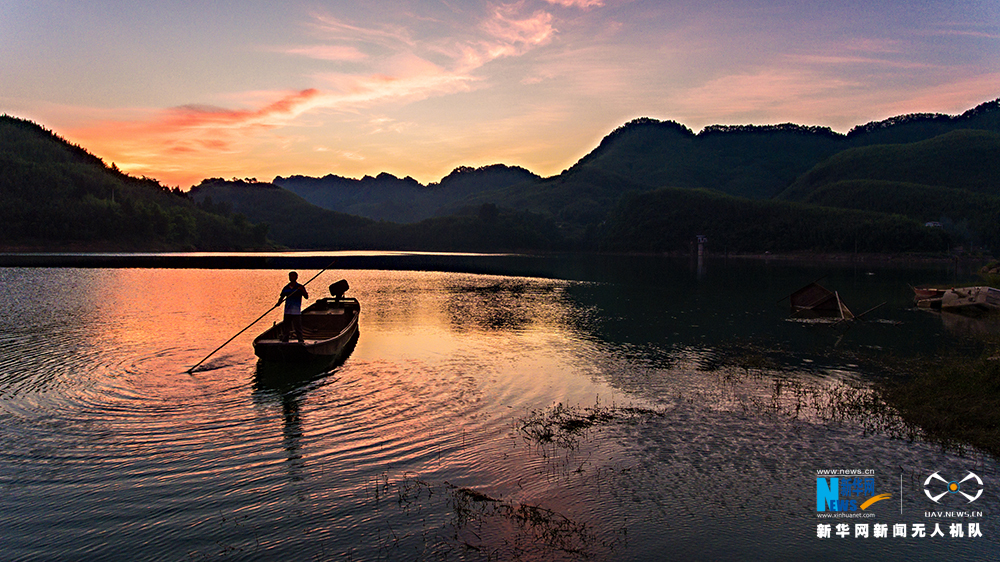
[[923, 293], [328, 326], [968, 300], [816, 301]]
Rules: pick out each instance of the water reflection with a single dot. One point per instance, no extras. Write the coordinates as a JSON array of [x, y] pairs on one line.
[[983, 327], [288, 384], [410, 449], [505, 305]]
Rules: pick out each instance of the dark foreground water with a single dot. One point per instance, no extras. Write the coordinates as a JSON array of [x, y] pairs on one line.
[[695, 418]]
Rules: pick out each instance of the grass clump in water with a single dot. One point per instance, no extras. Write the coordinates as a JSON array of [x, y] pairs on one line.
[[954, 400], [565, 425]]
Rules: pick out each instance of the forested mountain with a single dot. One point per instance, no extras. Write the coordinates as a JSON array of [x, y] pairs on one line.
[[963, 159], [953, 179], [758, 162], [755, 162], [671, 218], [764, 162], [386, 197], [54, 194]]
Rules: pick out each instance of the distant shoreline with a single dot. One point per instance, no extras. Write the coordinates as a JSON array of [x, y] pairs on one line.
[[403, 259]]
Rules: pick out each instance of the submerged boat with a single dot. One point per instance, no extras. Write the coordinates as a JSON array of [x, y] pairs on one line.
[[328, 326], [971, 300], [816, 301]]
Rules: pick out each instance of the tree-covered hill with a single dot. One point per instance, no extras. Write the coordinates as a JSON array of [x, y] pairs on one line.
[[963, 159], [969, 216], [384, 197], [915, 127], [54, 194], [748, 161], [758, 162], [953, 179], [669, 220]]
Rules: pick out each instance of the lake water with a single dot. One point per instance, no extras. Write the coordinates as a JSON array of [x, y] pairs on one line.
[[436, 438]]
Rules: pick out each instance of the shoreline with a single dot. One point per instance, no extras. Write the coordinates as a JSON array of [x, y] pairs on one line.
[[405, 259]]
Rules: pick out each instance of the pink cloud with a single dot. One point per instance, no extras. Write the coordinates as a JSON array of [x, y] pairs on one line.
[[954, 97], [810, 98], [384, 35], [328, 52], [583, 4], [403, 77], [515, 33], [766, 97], [868, 61]]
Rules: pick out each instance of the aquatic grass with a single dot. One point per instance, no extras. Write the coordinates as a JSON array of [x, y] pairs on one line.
[[459, 521], [954, 400], [566, 425], [523, 529], [951, 398]]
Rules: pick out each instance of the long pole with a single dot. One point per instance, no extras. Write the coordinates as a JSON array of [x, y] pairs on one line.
[[191, 370]]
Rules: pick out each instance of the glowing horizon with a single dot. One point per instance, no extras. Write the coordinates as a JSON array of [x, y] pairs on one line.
[[181, 92]]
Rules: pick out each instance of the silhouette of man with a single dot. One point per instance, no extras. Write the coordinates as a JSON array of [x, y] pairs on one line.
[[292, 294]]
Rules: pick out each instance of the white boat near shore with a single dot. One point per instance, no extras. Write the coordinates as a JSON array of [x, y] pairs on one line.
[[972, 300]]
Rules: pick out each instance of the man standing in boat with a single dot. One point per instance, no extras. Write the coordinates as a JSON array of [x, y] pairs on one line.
[[292, 294]]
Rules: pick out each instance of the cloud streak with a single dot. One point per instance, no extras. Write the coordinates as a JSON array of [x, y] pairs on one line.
[[396, 69], [583, 4], [327, 52], [391, 88], [516, 33]]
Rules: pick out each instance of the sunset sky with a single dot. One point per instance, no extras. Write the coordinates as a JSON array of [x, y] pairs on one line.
[[184, 90]]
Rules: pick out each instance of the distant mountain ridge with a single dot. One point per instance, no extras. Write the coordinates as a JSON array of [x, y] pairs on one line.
[[386, 197], [297, 223], [752, 161], [648, 186]]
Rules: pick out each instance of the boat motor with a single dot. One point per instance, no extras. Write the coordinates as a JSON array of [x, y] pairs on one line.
[[339, 288]]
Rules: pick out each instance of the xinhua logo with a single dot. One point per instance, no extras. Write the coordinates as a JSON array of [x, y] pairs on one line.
[[845, 494], [937, 487]]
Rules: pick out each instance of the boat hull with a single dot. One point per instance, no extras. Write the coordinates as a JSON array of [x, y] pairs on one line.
[[973, 300], [329, 325], [816, 301]]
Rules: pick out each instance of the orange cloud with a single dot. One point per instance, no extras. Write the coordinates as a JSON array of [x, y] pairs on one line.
[[200, 117], [166, 143]]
